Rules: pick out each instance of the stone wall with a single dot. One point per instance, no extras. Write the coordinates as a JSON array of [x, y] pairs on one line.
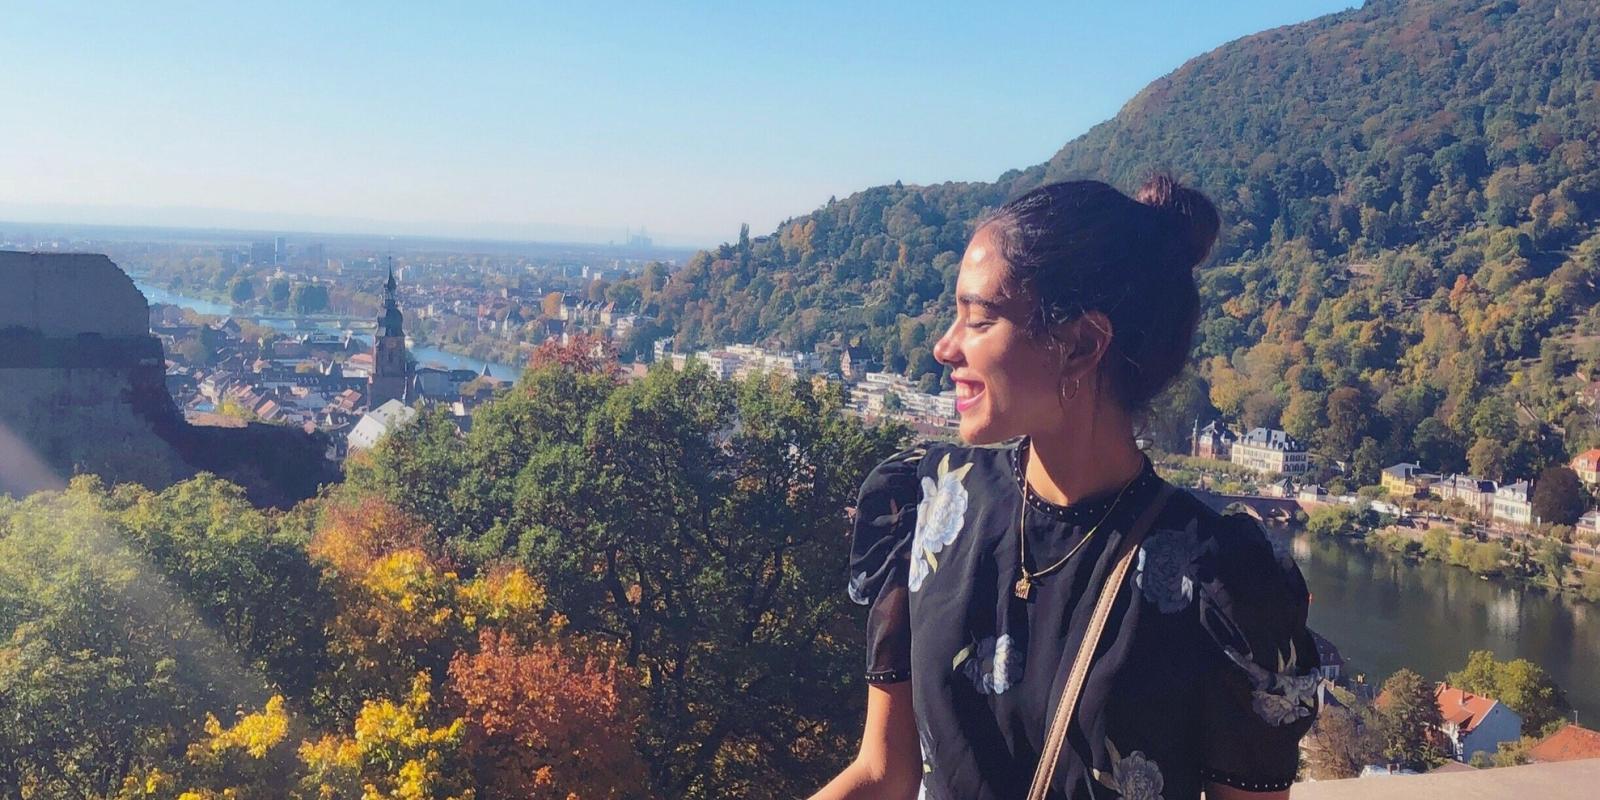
[[64, 295], [83, 390], [85, 420]]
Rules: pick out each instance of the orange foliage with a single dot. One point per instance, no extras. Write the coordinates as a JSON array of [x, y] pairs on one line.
[[582, 353], [547, 724], [352, 537]]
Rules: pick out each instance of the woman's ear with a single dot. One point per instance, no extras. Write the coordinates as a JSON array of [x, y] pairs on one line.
[[1084, 342]]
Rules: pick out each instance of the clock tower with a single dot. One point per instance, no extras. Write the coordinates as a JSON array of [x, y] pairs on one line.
[[389, 378]]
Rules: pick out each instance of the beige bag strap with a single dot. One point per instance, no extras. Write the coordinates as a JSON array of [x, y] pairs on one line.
[[1056, 739]]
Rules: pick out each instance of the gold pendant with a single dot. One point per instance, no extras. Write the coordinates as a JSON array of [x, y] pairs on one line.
[[1023, 589]]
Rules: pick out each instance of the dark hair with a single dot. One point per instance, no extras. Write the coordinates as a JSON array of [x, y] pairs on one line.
[[1083, 246]]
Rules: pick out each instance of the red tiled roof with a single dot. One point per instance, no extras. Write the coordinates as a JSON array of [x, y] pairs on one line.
[[1571, 743], [1463, 708], [1587, 459]]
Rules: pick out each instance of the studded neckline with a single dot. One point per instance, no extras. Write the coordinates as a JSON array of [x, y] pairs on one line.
[[1084, 511]]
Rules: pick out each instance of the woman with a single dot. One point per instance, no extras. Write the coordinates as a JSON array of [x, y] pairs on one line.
[[981, 564]]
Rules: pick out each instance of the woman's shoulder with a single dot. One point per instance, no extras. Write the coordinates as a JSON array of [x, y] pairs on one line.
[[931, 457], [1253, 598]]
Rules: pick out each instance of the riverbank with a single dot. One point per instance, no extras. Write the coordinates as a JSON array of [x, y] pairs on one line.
[[1547, 566], [1385, 612]]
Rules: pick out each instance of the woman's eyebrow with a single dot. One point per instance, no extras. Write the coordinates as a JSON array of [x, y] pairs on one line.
[[974, 299]]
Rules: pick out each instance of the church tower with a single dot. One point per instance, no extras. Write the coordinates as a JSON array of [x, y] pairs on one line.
[[389, 369]]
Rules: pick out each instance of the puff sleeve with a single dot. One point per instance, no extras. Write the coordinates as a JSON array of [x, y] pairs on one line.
[[885, 520], [1262, 689]]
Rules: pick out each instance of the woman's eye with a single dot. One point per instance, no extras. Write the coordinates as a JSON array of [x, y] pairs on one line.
[[980, 324]]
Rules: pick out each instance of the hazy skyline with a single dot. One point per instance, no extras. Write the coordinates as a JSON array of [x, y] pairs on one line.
[[506, 121]]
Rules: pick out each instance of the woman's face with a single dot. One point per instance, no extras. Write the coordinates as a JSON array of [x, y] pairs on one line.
[[1007, 383]]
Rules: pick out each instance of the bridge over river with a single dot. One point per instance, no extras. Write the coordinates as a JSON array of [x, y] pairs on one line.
[[1266, 509]]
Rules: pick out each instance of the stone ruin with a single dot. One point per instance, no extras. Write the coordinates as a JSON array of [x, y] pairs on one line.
[[83, 390]]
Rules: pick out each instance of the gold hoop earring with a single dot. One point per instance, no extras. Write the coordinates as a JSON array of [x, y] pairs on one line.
[[1076, 385]]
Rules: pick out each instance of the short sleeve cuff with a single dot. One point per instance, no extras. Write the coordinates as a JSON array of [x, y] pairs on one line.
[[880, 677], [1246, 784]]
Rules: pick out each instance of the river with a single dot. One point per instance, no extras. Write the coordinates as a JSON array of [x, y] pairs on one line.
[[1385, 613], [425, 355]]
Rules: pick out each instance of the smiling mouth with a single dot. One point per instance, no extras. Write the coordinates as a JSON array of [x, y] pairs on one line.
[[967, 394]]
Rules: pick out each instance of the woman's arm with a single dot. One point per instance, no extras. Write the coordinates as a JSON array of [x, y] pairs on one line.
[[889, 764], [1218, 791]]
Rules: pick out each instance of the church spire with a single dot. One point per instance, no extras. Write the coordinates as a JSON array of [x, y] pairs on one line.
[[389, 379], [390, 323]]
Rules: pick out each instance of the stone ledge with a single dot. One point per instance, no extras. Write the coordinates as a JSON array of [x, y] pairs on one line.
[[1567, 780]]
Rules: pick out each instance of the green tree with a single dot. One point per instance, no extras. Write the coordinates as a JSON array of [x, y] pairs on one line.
[[1436, 446], [1553, 557], [1366, 464], [1348, 417], [1559, 497], [1436, 544], [1522, 685], [278, 292], [1409, 721], [691, 520], [1486, 558], [1331, 521], [101, 664], [1487, 458], [240, 290], [309, 298]]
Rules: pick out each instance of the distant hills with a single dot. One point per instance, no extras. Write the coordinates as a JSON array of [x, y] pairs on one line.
[[1366, 163]]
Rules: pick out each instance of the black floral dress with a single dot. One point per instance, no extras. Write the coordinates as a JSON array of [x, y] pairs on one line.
[[1206, 671]]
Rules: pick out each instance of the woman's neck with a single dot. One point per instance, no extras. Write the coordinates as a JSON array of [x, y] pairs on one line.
[[1069, 464]]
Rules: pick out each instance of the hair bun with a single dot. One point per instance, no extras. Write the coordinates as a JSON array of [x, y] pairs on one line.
[[1193, 218]]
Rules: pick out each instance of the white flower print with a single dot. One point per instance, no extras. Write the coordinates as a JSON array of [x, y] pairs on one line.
[[855, 588], [1166, 570], [1136, 777], [939, 519], [1280, 697], [993, 665]]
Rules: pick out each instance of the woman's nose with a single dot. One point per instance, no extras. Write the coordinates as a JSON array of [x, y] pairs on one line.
[[945, 351]]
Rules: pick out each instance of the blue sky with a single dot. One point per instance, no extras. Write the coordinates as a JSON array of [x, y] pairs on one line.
[[574, 120]]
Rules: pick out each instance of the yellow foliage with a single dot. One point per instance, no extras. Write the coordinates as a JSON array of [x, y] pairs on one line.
[[335, 752], [253, 733], [510, 599], [394, 754]]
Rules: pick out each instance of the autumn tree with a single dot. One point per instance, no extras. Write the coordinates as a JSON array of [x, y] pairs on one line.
[[396, 749], [697, 523], [1341, 743], [1409, 721], [546, 721]]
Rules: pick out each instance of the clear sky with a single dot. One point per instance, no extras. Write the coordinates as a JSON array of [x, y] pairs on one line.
[[534, 120]]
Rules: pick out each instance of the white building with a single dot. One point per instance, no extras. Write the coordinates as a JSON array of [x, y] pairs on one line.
[[1477, 493], [1589, 523], [379, 421], [1270, 451], [1513, 504], [872, 396]]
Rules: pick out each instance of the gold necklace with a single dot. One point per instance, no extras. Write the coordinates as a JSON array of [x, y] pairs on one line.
[[1024, 586]]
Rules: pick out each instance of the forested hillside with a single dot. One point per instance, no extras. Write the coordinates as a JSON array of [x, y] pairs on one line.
[[1409, 265]]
